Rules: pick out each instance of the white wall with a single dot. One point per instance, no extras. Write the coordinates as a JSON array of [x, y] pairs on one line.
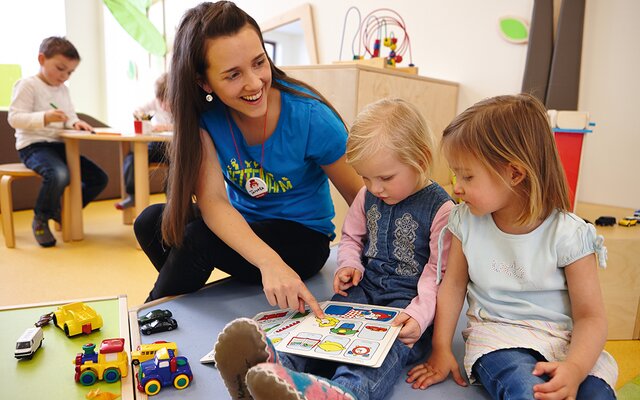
[[86, 31], [610, 90], [458, 40]]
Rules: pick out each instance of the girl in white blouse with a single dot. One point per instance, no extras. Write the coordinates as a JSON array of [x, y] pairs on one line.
[[537, 323]]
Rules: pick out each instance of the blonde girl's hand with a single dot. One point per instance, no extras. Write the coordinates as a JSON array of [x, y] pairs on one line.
[[284, 288], [54, 116], [410, 331], [345, 278], [435, 370], [565, 380], [83, 126]]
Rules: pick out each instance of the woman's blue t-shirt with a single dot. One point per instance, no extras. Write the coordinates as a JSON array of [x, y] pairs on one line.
[[308, 134]]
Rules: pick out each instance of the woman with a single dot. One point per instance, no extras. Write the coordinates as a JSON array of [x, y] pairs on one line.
[[272, 140]]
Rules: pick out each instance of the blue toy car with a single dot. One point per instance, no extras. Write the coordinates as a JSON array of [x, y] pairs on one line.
[[163, 370]]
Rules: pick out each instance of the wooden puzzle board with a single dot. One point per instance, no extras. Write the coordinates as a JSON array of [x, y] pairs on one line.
[[350, 333]]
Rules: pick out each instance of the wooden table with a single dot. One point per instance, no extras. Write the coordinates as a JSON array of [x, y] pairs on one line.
[[141, 177]]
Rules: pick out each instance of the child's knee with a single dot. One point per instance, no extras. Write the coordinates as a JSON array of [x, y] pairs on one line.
[[59, 176]]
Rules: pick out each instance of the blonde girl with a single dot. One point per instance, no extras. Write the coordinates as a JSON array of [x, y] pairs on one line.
[[537, 324]]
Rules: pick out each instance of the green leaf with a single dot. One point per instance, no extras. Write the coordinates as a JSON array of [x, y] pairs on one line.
[[142, 5], [514, 29], [136, 23]]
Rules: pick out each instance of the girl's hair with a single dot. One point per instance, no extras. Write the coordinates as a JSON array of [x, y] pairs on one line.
[[514, 130], [394, 125], [200, 24], [54, 45]]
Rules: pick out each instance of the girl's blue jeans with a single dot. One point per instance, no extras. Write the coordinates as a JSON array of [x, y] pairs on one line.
[[365, 382], [49, 160], [506, 374]]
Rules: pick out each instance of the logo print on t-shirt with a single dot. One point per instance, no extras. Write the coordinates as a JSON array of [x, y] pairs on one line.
[[252, 169], [511, 270]]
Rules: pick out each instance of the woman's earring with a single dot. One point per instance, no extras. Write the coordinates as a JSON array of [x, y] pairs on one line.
[[208, 97]]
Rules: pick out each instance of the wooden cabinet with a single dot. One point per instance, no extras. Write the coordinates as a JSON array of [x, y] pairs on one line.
[[620, 281], [350, 87]]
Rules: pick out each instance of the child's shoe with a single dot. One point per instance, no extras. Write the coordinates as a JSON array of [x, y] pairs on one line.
[[128, 202], [273, 381], [240, 346], [41, 231]]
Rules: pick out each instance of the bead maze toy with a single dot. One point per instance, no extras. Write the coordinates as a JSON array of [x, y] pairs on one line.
[[382, 28]]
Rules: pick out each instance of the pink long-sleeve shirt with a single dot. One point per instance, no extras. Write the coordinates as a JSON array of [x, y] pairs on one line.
[[354, 231]]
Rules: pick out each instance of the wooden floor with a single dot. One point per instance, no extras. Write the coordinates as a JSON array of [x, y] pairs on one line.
[[107, 263]]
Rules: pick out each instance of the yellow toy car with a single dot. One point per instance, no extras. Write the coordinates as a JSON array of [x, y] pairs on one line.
[[77, 318], [627, 222], [146, 352]]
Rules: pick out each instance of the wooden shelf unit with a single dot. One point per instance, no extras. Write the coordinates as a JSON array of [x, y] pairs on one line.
[[620, 281]]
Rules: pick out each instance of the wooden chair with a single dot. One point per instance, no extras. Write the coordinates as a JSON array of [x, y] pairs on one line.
[[8, 173]]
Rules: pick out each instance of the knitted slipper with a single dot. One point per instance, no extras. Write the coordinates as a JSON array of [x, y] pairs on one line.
[[41, 232], [268, 381], [240, 346]]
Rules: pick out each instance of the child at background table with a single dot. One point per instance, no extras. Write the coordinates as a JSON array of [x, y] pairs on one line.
[[387, 257], [537, 323], [161, 121], [40, 108]]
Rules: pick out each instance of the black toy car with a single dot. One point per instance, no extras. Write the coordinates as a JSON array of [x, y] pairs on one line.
[[606, 221], [44, 319], [154, 315], [159, 325]]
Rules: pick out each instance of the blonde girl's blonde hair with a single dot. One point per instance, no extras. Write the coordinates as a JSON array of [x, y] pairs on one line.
[[515, 130], [394, 125]]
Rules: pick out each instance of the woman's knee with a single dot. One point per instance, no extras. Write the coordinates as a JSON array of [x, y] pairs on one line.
[[149, 222]]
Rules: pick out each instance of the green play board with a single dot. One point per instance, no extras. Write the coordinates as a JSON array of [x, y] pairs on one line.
[[50, 373]]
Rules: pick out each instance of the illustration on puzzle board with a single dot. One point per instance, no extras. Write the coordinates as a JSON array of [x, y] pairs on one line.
[[350, 332]]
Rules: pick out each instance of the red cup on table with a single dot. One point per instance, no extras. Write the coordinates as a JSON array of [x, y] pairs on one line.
[[137, 126]]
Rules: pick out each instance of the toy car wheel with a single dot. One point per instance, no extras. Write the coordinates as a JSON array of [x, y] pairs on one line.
[[181, 381], [111, 375], [152, 387], [66, 330], [135, 362], [55, 320], [88, 377]]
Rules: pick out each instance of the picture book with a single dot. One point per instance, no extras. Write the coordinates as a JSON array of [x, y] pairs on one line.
[[350, 333]]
